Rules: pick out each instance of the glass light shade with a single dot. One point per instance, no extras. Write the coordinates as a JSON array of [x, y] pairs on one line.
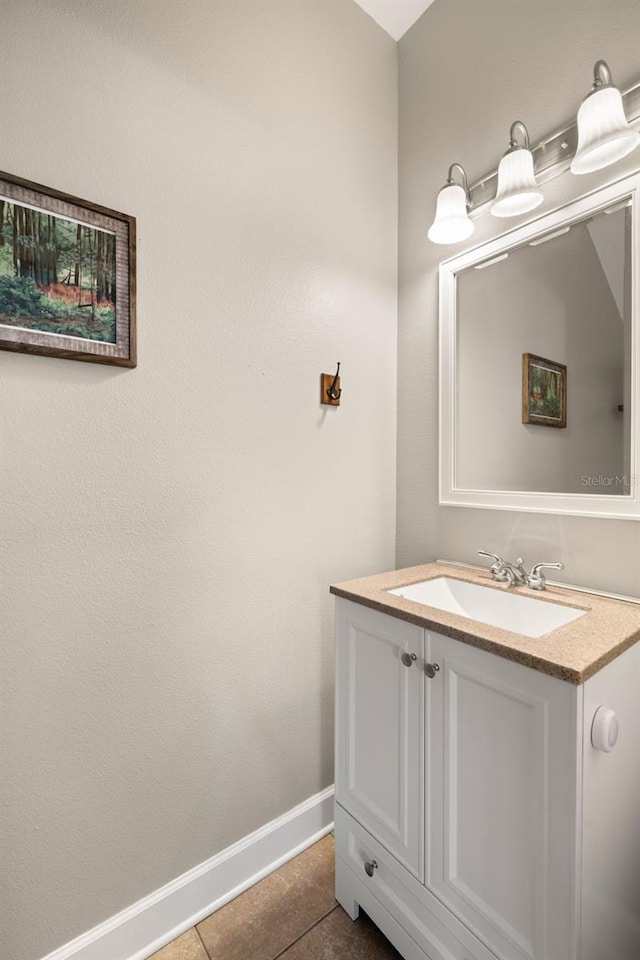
[[518, 191], [451, 222], [604, 135]]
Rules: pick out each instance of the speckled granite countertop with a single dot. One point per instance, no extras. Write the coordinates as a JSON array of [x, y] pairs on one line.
[[573, 652]]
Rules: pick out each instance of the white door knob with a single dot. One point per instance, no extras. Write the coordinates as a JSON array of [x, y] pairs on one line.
[[604, 729]]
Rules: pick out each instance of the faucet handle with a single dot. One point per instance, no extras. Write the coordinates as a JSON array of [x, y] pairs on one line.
[[537, 580], [497, 566]]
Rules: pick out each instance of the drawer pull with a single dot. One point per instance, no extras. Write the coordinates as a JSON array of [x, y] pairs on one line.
[[408, 659], [431, 669], [370, 866]]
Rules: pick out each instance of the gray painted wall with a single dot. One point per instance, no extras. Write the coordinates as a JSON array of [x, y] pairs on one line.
[[466, 72], [170, 532]]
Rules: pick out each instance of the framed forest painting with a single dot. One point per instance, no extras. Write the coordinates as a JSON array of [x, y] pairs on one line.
[[544, 391], [67, 276]]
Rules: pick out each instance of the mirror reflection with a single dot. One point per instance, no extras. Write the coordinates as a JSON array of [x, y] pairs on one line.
[[543, 361]]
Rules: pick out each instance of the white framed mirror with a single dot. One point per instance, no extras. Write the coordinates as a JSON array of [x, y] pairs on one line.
[[540, 363]]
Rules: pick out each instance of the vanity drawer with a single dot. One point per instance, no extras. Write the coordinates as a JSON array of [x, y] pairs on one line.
[[430, 924]]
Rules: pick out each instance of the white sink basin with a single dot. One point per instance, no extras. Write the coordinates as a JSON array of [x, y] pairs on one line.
[[531, 617]]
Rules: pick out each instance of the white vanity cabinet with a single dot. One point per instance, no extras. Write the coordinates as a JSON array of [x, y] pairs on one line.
[[462, 824]]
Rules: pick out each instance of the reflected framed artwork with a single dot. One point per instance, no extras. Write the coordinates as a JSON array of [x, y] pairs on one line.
[[67, 276], [544, 391]]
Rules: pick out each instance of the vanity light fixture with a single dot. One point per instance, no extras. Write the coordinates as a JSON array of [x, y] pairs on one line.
[[549, 236], [617, 207], [451, 222], [488, 263], [604, 135], [601, 131], [517, 191]]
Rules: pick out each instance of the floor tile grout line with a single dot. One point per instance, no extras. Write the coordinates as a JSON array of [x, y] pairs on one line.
[[305, 932], [204, 946]]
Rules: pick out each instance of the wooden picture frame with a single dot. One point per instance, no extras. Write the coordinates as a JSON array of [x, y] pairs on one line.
[[544, 391], [67, 276]]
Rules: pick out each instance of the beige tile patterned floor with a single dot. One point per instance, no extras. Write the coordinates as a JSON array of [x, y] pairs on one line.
[[290, 915]]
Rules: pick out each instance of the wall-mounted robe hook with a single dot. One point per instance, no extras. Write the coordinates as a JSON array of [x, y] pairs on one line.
[[334, 390], [330, 390]]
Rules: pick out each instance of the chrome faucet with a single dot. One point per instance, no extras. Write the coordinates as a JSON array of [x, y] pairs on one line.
[[505, 572], [515, 575]]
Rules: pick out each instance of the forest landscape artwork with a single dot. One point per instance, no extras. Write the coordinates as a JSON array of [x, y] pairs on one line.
[[544, 391], [65, 276], [56, 275]]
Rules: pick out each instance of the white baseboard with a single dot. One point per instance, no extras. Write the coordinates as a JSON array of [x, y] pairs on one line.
[[138, 931]]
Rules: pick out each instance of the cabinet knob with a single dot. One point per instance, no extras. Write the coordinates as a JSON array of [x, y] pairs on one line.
[[604, 730], [370, 866], [408, 659], [431, 669]]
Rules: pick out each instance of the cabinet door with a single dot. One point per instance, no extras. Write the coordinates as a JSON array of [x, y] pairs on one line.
[[502, 780], [379, 728]]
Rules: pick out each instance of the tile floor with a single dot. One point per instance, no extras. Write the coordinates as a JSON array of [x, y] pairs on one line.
[[290, 915]]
